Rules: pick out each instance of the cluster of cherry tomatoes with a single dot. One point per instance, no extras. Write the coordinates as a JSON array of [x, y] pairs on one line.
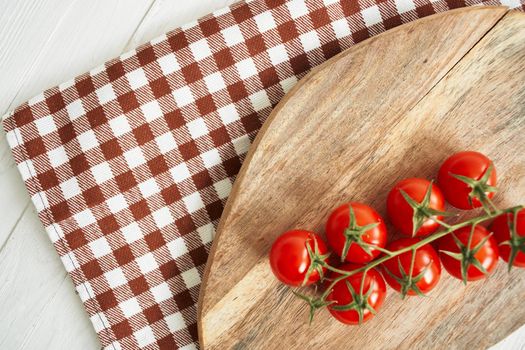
[[416, 208]]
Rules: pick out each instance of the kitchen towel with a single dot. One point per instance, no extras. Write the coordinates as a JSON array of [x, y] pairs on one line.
[[130, 164]]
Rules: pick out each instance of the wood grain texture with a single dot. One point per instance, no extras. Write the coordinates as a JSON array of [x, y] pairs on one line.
[[394, 106]]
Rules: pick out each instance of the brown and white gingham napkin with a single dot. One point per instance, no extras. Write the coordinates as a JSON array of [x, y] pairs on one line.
[[129, 165]]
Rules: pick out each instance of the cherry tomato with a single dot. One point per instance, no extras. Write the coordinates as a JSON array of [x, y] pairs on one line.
[[290, 260], [366, 227], [500, 227], [471, 165], [425, 273], [484, 253], [374, 292], [401, 213]]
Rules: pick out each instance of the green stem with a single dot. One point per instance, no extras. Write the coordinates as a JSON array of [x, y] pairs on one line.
[[378, 248], [336, 270], [412, 261], [435, 237], [362, 284], [442, 223], [448, 229], [471, 235], [491, 203]]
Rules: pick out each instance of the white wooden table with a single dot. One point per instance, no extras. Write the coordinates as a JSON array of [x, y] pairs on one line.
[[43, 43]]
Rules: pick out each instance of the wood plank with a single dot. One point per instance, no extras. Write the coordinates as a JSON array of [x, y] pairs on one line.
[[24, 275], [515, 341], [14, 199], [63, 324], [365, 132], [89, 34], [166, 15], [24, 32]]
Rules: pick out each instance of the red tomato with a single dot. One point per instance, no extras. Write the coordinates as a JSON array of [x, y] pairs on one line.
[[374, 292], [425, 273], [367, 228], [500, 227], [290, 260], [472, 165], [482, 256], [401, 213]]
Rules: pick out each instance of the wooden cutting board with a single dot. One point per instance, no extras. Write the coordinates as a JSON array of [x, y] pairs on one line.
[[394, 106]]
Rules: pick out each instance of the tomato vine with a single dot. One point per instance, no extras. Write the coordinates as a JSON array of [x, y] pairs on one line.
[[320, 302]]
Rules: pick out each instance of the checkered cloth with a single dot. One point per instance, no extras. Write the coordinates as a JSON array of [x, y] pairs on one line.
[[130, 165]]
